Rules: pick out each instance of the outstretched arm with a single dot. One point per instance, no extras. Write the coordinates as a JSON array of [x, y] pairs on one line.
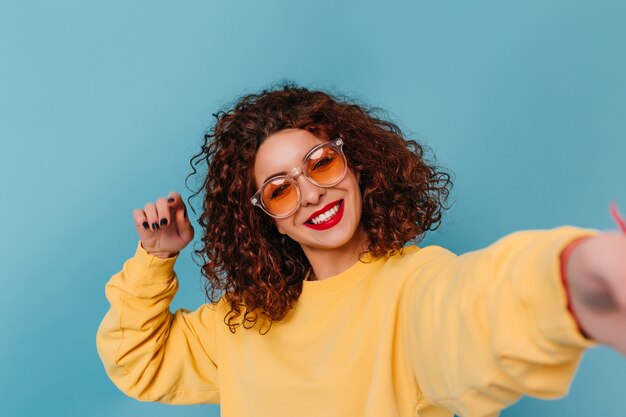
[[492, 325]]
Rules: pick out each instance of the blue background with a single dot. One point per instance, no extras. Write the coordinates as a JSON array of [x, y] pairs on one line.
[[102, 104]]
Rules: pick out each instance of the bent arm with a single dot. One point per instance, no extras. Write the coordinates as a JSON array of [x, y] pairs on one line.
[[148, 352], [492, 325]]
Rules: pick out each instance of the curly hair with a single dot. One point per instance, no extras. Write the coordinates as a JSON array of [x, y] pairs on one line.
[[244, 258]]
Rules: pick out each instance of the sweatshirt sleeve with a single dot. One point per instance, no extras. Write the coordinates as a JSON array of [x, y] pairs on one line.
[[148, 352], [492, 325]]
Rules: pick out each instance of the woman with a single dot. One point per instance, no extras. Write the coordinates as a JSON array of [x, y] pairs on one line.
[[317, 308]]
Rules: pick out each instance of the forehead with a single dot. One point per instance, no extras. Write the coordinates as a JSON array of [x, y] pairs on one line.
[[282, 152]]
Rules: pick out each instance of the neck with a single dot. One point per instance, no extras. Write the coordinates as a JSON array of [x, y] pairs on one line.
[[329, 262]]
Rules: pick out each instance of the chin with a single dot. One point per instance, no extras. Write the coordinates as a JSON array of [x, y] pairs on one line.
[[339, 236]]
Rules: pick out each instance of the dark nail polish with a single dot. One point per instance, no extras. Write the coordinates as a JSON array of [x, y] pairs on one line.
[[146, 225], [185, 213], [155, 226], [169, 200], [163, 222]]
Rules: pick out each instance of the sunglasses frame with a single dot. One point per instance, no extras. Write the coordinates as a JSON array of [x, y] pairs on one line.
[[336, 144]]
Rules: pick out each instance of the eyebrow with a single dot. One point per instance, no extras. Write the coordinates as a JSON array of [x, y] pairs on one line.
[[278, 174]]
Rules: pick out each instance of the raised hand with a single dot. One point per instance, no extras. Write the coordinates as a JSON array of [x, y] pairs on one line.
[[164, 227], [597, 276]]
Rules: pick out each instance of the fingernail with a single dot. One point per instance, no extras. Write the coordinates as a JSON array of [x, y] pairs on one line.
[[163, 222], [169, 200], [146, 225], [155, 226], [185, 213]]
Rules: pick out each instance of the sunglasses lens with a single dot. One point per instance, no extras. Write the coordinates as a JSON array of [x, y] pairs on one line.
[[326, 166], [280, 196]]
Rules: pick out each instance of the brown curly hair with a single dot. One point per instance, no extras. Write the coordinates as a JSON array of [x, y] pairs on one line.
[[243, 256]]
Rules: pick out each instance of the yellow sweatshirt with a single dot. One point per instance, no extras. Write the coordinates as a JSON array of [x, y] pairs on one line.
[[426, 333]]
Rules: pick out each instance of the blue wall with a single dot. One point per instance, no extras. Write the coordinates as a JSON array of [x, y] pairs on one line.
[[103, 103]]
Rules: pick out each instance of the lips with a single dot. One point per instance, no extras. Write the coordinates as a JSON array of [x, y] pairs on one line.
[[329, 222]]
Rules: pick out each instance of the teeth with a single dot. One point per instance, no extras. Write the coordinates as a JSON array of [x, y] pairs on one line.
[[326, 215]]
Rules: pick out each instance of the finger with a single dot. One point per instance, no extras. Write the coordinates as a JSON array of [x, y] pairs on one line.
[[141, 223], [163, 212], [175, 200], [151, 215], [617, 217], [185, 229]]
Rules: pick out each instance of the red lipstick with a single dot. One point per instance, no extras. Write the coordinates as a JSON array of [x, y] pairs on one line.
[[328, 223]]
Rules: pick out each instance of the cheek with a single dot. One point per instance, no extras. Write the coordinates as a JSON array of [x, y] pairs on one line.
[[358, 197], [280, 226], [355, 184]]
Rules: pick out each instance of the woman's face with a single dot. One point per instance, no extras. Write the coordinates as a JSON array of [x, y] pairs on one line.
[[327, 217]]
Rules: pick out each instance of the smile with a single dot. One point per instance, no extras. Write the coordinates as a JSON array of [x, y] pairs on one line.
[[327, 217]]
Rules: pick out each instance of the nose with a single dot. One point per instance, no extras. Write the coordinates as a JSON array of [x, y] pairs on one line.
[[309, 192]]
